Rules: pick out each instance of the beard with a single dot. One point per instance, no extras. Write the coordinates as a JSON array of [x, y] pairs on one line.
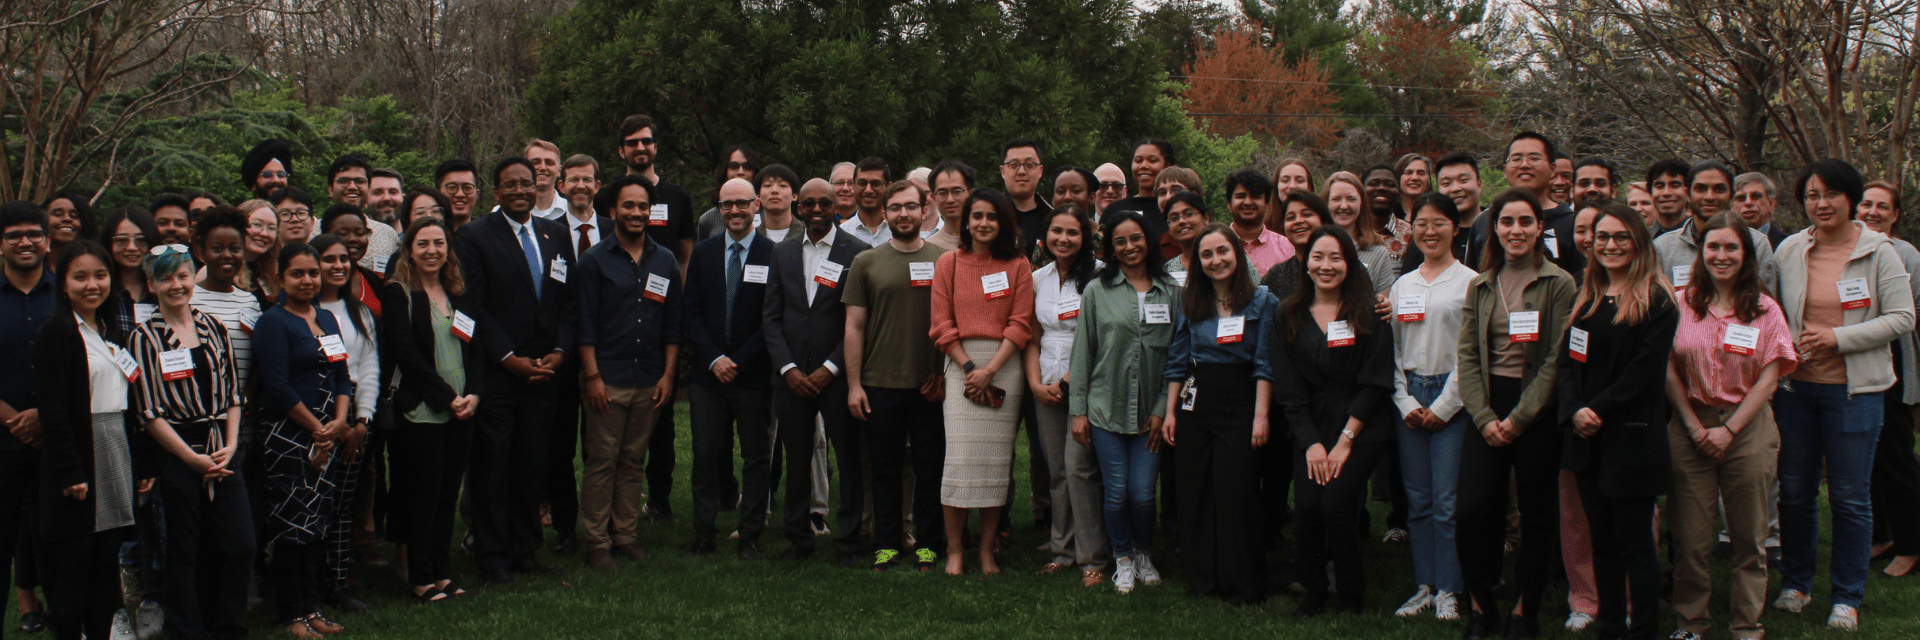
[[638, 163], [905, 236]]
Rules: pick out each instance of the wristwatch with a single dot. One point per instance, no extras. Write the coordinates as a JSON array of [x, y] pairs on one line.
[[1349, 433], [968, 367]]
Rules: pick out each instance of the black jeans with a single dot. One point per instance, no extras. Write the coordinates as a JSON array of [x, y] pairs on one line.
[[1481, 523], [1896, 480], [719, 411], [511, 432], [901, 417], [428, 461], [295, 573], [563, 483], [1625, 564], [87, 590], [1222, 548], [796, 415], [210, 547], [1325, 517], [19, 479], [660, 462]]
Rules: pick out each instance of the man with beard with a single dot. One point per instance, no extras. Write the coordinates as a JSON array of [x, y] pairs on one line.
[[1593, 179], [459, 182], [1710, 182], [577, 184], [893, 375], [869, 223], [1667, 183], [170, 217], [804, 326], [1753, 199], [267, 167], [26, 301], [741, 162], [1020, 171], [951, 181], [516, 269], [384, 194], [670, 222]]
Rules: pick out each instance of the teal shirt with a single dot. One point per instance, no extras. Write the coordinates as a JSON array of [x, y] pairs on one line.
[[447, 361], [1118, 358]]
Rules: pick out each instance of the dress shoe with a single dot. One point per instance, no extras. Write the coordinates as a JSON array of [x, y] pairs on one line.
[[565, 543], [700, 548], [532, 567], [599, 559], [748, 549], [1347, 604], [1522, 628], [631, 552], [795, 553], [345, 601], [495, 576], [33, 622], [1311, 605]]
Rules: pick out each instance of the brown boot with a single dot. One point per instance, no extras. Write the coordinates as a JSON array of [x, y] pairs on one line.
[[631, 552], [599, 559]]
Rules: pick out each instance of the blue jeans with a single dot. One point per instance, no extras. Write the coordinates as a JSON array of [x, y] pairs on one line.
[[1127, 473], [1820, 422], [1430, 468]]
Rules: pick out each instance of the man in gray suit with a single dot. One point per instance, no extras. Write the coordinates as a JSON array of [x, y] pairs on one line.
[[803, 327]]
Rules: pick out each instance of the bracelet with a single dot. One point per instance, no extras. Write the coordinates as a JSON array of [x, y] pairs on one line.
[[593, 376]]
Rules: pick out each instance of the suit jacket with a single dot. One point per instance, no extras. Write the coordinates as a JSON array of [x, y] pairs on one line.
[[510, 319], [1775, 235], [1622, 378], [601, 223], [706, 303], [801, 332], [66, 427], [407, 346]]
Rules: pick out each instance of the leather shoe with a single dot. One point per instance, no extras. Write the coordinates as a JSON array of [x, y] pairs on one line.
[[700, 548], [1522, 628], [748, 549], [532, 567], [33, 622], [631, 552], [1311, 605], [565, 544], [795, 553], [495, 576], [599, 559]]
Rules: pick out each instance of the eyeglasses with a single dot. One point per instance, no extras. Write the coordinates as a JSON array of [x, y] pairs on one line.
[[1018, 165], [736, 166], [842, 183], [459, 188], [428, 211], [137, 242], [815, 203], [1817, 196], [635, 142], [294, 215], [870, 184], [736, 205], [168, 248], [1113, 186], [515, 186], [24, 236], [950, 192], [272, 175], [264, 227], [579, 180], [909, 207], [1622, 238], [349, 181]]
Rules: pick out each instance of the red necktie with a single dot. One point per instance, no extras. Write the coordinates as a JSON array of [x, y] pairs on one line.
[[584, 242]]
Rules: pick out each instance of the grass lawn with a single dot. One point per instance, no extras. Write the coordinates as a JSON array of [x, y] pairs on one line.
[[723, 597]]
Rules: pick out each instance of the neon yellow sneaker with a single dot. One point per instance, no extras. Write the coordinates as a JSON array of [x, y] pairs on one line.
[[924, 559], [885, 559]]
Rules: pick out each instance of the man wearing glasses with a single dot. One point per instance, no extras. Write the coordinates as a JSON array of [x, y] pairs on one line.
[[269, 166], [295, 211], [869, 223], [1020, 170], [1112, 187], [459, 181], [841, 181], [671, 223], [26, 301]]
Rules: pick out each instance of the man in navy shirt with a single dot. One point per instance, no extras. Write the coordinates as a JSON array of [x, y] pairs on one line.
[[26, 301]]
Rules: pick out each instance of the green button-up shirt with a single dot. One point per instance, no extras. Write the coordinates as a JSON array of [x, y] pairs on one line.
[[1118, 358]]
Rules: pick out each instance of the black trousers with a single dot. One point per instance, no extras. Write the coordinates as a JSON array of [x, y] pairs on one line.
[[796, 416], [512, 430], [429, 460], [19, 479], [1481, 521], [1896, 480], [901, 417], [1625, 561], [87, 591], [1325, 516], [295, 575], [660, 462], [1222, 547], [719, 412], [1276, 480], [209, 550], [563, 483]]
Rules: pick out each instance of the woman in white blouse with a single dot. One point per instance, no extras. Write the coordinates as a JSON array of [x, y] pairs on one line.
[[357, 330], [1079, 533], [1427, 307]]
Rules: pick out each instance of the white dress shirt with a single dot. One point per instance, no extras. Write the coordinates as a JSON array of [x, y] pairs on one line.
[[873, 237], [1056, 335], [1431, 346], [811, 255], [573, 229]]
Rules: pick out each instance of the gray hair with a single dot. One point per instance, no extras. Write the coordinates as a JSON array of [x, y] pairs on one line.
[[1744, 179]]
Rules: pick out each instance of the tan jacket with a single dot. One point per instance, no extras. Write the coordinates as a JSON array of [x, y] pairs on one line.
[[1868, 331], [1552, 293]]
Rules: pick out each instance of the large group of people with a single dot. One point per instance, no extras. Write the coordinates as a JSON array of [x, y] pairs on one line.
[[221, 404]]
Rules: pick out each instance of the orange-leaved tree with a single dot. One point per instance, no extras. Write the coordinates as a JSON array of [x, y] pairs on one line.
[[1240, 87], [1428, 76]]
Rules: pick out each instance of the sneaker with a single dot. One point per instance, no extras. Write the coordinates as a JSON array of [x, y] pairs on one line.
[[923, 559], [122, 627], [1844, 618], [1578, 621], [820, 525], [1395, 536], [1681, 634], [1143, 566], [885, 559], [148, 620], [1417, 604], [1123, 575], [1446, 606], [735, 535], [1791, 600]]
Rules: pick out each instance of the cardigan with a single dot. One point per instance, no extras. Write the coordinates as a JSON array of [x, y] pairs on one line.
[[66, 426], [406, 331]]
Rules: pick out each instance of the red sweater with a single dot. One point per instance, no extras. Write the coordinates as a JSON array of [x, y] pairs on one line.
[[962, 310]]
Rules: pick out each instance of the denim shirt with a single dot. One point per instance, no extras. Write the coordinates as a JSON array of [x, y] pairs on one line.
[[1197, 343], [628, 331]]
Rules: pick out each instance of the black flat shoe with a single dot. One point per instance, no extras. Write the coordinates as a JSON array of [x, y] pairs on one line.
[[700, 548], [1479, 627], [1522, 628], [496, 577], [748, 549], [33, 622], [454, 589], [431, 595], [565, 544], [532, 567]]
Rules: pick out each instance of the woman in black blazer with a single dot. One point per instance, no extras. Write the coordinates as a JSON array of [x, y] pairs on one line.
[[86, 507], [428, 330], [1612, 397]]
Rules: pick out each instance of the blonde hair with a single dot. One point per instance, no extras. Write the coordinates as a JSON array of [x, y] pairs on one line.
[[1178, 175], [1366, 230], [536, 142], [262, 268], [1643, 275]]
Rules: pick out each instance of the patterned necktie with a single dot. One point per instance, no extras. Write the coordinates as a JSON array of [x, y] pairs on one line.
[[585, 243], [533, 256], [733, 282]]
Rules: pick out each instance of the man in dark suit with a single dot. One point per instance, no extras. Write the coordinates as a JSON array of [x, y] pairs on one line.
[[586, 226], [516, 268], [726, 283], [1753, 199], [805, 335]]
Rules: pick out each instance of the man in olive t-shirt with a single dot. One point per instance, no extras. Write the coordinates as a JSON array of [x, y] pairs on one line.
[[893, 374]]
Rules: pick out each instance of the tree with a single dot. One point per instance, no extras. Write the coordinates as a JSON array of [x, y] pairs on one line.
[[1316, 30], [1237, 86], [1428, 77], [1183, 30]]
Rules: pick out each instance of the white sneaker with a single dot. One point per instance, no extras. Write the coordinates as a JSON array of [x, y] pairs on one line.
[[1791, 600], [1844, 618], [1123, 575], [1417, 604], [1578, 621], [122, 627], [1446, 606], [1394, 536], [1143, 565], [148, 619]]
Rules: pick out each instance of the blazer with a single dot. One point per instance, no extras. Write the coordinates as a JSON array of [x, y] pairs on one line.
[[66, 426], [406, 343], [510, 319], [805, 333], [1623, 380], [706, 305]]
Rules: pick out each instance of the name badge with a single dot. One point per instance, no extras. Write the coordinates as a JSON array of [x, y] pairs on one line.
[[143, 311], [1523, 326], [1067, 307], [463, 326], [921, 274], [178, 363], [1188, 394], [656, 288], [334, 348], [657, 216], [756, 221], [1339, 334], [1741, 339], [995, 285], [1412, 307], [1156, 314], [1853, 293], [248, 318], [1577, 343], [828, 274], [1230, 330], [1179, 277], [380, 263], [1682, 274], [128, 366], [1553, 246], [558, 270], [755, 274]]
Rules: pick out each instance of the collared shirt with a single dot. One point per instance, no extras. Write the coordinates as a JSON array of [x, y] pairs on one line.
[[559, 210], [106, 386], [628, 331], [873, 237], [214, 386], [1198, 342], [1268, 249], [21, 315], [726, 256], [1718, 377], [573, 229], [515, 228], [382, 241], [811, 254], [1056, 335], [1430, 346], [1117, 358], [1677, 250]]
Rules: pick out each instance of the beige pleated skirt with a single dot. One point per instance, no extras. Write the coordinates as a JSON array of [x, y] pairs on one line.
[[980, 438]]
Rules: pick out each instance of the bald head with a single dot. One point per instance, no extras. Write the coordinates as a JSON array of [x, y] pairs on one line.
[[1112, 187], [738, 204]]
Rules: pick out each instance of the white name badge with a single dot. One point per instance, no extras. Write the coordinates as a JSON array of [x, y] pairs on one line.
[[1682, 274], [178, 363], [1067, 307], [755, 274], [463, 326], [1523, 326], [334, 348], [756, 221], [143, 311], [380, 263], [995, 285], [248, 318], [1231, 330], [656, 288], [1853, 293], [1188, 394], [828, 274], [1339, 334], [657, 216], [921, 274], [558, 270], [1577, 343], [1156, 314], [128, 366], [1411, 307], [1179, 277], [1741, 339], [1553, 246]]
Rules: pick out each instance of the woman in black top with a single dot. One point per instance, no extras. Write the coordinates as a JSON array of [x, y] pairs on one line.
[[1301, 212], [127, 235], [1612, 399], [1333, 382]]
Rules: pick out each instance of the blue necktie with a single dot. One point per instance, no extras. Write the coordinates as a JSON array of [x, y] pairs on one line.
[[533, 257], [733, 283]]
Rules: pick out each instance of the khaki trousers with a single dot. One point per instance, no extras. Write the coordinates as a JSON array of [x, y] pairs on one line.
[[1740, 481], [613, 482]]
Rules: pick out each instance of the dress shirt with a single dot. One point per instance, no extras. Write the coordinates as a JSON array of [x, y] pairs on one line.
[[1118, 359], [518, 239], [1430, 347], [873, 237], [559, 210], [573, 230], [21, 315], [629, 333], [811, 253], [1720, 378], [1197, 342], [1056, 335], [726, 257], [107, 387], [1268, 249]]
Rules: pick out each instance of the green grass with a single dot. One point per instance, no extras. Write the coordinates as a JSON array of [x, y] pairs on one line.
[[723, 597]]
